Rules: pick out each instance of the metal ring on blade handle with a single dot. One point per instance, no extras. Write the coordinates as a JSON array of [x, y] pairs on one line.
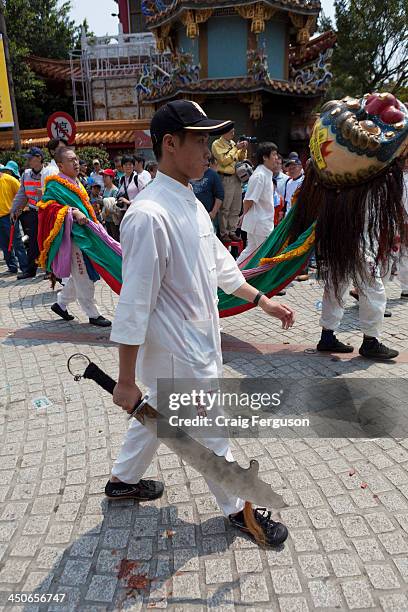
[[77, 365]]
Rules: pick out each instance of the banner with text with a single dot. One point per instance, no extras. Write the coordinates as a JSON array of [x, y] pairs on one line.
[[6, 114]]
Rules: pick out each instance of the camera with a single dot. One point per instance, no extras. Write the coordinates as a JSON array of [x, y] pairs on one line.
[[250, 139]]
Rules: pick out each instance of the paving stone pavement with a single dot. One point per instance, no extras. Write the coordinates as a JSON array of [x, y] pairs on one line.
[[347, 498]]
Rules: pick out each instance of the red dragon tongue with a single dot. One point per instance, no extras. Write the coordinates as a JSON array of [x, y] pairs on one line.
[[378, 103], [391, 115]]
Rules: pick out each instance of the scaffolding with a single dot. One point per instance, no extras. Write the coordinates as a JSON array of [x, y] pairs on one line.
[[124, 55]]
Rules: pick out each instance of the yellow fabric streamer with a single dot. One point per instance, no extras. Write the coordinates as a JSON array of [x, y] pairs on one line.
[[79, 190], [298, 252], [59, 220]]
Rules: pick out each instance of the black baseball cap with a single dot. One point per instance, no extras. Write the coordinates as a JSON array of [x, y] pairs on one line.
[[184, 115], [292, 160], [34, 152]]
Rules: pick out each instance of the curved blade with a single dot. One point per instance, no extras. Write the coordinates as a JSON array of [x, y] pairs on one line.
[[238, 481]]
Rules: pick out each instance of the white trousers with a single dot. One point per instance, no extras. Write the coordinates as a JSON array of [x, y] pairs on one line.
[[137, 451], [78, 287], [254, 241], [403, 271], [372, 303]]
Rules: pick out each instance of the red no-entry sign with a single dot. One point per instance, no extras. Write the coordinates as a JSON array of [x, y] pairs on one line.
[[61, 125]]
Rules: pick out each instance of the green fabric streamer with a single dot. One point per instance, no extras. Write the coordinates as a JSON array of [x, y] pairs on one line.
[[84, 238], [277, 277]]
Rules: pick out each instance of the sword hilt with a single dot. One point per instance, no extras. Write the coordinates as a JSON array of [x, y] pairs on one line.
[[94, 373]]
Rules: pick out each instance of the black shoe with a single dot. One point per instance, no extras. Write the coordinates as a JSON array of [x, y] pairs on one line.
[[404, 296], [64, 314], [144, 490], [274, 533], [387, 313], [354, 294], [24, 275], [372, 349], [100, 321], [335, 346], [280, 293], [10, 273]]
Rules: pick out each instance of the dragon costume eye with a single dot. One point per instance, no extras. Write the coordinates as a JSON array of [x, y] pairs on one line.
[[355, 139]]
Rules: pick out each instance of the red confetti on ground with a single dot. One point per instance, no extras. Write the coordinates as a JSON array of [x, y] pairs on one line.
[[114, 551], [126, 568], [364, 485], [170, 533], [140, 582], [352, 472]]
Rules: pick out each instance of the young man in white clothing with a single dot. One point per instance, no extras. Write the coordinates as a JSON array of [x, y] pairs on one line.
[[259, 209], [167, 321], [294, 169]]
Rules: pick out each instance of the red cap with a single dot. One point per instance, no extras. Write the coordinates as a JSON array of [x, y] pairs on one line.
[[109, 172]]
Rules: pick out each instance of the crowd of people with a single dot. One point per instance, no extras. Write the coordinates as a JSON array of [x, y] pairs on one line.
[[246, 195], [111, 191], [169, 263]]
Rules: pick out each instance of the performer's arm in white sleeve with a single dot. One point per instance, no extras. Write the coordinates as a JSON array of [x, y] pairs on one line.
[[229, 277], [144, 250], [231, 280]]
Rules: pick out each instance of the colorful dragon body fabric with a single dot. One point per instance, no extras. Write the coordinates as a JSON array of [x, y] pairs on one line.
[[350, 201], [57, 232]]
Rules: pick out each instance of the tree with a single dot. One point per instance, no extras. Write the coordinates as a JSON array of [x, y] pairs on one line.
[[324, 23], [372, 51], [42, 28]]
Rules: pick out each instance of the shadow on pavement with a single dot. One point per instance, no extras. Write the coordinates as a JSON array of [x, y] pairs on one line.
[[128, 560]]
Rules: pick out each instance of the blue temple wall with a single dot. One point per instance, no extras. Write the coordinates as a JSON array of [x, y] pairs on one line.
[[186, 44], [227, 47], [274, 40]]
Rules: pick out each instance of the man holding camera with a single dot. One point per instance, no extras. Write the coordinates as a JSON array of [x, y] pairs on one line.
[[228, 153]]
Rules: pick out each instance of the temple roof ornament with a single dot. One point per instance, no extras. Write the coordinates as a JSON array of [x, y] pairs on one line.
[[308, 76], [192, 19], [258, 13], [174, 10]]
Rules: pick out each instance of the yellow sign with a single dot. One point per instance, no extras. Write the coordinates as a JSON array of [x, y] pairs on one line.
[[319, 136], [6, 114]]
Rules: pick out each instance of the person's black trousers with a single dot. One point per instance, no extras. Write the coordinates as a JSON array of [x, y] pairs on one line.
[[29, 221]]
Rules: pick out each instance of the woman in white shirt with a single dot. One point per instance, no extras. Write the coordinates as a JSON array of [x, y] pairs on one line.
[[130, 184], [259, 209]]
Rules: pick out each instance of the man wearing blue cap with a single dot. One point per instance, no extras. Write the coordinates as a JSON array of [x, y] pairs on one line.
[[25, 206]]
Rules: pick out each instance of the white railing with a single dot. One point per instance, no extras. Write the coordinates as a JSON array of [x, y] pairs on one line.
[[119, 46]]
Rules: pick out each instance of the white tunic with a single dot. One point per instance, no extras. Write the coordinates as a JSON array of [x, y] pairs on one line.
[[291, 186], [259, 219], [172, 265]]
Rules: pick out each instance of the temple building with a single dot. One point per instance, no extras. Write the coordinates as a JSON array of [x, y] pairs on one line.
[[256, 62]]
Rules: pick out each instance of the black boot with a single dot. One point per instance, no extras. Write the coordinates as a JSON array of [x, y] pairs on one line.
[[274, 533], [373, 349], [329, 343], [144, 490], [64, 314]]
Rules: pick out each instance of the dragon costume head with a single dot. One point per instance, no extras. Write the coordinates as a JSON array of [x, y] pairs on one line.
[[353, 186]]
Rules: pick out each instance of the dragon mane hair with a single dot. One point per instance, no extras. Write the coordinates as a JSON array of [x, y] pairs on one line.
[[351, 221]]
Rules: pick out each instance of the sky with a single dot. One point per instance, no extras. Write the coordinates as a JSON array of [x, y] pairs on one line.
[[98, 14]]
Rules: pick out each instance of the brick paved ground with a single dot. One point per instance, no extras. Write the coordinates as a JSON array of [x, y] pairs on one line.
[[348, 544]]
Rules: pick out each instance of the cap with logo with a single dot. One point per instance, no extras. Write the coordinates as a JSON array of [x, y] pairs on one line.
[[34, 152], [184, 115]]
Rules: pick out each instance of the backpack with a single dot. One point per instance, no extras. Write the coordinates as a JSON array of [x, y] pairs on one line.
[[122, 184]]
